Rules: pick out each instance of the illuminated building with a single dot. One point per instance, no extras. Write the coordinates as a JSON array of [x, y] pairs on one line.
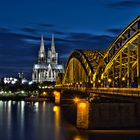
[[47, 68]]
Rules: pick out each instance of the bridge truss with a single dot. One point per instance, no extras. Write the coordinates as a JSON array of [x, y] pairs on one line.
[[119, 66]]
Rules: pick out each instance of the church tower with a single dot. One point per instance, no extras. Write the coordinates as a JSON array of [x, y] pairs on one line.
[[54, 55], [42, 53], [47, 68]]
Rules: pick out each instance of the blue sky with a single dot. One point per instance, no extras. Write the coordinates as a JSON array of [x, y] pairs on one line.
[[76, 24]]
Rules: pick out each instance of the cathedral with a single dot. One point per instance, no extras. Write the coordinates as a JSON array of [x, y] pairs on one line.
[[47, 68]]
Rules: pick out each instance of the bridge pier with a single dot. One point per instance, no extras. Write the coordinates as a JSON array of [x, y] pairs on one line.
[[57, 97], [138, 62], [107, 115], [83, 114]]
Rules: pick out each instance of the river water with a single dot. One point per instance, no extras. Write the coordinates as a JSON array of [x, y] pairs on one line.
[[45, 121]]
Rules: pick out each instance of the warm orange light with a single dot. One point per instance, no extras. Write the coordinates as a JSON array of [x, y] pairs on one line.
[[55, 108], [77, 138], [82, 105], [123, 79], [76, 99], [57, 97], [56, 93], [44, 93], [109, 80]]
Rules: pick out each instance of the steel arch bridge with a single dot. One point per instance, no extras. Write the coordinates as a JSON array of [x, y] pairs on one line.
[[119, 66], [81, 66]]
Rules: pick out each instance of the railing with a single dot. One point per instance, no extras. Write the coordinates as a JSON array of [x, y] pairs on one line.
[[131, 92]]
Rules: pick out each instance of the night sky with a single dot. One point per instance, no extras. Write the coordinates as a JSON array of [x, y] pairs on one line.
[[76, 24]]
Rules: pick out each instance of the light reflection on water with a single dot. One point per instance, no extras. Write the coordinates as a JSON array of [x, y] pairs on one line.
[[42, 121]]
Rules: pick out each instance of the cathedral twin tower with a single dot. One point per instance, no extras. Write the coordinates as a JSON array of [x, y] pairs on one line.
[[47, 68]]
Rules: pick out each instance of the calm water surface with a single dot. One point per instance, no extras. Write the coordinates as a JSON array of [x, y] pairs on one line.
[[45, 121]]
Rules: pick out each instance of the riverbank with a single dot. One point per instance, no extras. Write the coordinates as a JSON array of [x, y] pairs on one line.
[[25, 98]]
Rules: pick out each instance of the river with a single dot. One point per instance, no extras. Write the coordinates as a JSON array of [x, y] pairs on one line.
[[45, 121]]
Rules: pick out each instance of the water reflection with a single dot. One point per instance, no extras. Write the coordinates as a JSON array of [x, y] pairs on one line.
[[42, 121], [78, 137], [56, 110]]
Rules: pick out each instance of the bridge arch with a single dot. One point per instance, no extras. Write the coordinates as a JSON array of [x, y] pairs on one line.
[[122, 59], [81, 66]]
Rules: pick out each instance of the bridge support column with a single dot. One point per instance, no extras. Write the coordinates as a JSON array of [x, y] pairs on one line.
[[120, 71], [83, 114], [138, 62], [94, 84], [57, 97], [107, 115], [107, 80], [113, 78], [128, 67]]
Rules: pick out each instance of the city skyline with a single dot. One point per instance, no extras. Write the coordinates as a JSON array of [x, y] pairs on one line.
[[75, 25]]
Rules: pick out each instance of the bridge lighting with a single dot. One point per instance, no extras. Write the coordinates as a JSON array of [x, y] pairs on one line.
[[123, 79], [99, 81], [77, 138], [82, 106], [76, 99], [22, 92], [102, 76], [56, 93], [109, 80], [55, 108], [44, 93]]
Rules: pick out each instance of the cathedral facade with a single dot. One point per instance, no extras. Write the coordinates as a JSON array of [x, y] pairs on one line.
[[47, 67]]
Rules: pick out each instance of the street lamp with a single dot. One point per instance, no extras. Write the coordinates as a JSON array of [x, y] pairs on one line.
[[123, 79], [109, 80], [76, 99]]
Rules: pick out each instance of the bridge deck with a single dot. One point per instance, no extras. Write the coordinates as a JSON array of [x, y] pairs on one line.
[[131, 92]]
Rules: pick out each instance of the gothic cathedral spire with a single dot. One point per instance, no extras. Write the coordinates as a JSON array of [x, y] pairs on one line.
[[42, 53], [54, 55], [53, 45], [47, 68]]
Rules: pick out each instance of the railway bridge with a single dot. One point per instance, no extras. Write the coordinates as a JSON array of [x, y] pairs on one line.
[[115, 70], [112, 77]]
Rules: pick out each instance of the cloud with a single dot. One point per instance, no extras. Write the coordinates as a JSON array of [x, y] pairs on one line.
[[80, 36], [2, 29], [56, 32], [29, 30], [83, 41], [15, 53], [46, 25], [125, 4], [89, 41], [19, 50], [115, 31]]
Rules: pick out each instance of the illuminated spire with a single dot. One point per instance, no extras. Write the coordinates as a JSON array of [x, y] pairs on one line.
[[42, 49], [42, 53], [53, 45]]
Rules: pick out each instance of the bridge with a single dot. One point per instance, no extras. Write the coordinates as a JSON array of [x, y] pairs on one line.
[[115, 70], [110, 80]]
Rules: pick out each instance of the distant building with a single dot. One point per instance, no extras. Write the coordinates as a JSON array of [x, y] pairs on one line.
[[47, 67], [21, 78]]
